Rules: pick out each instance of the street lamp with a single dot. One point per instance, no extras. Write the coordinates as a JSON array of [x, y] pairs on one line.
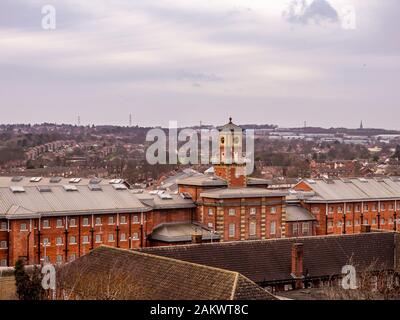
[[45, 244]]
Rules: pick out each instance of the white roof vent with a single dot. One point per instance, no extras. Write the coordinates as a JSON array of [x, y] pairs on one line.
[[35, 179], [119, 186], [70, 188]]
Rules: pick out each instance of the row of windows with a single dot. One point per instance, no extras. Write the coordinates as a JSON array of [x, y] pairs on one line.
[[349, 223], [232, 211], [357, 208], [252, 229], [85, 239], [305, 228], [73, 221]]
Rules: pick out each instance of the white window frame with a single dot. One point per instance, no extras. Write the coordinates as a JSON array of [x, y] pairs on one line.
[[253, 211], [111, 235], [210, 211], [23, 229], [273, 210], [84, 241], [70, 240], [3, 244], [98, 219], [123, 237], [59, 243], [3, 226], [98, 236], [232, 230], [58, 225], [135, 216], [85, 224], [232, 212], [72, 223], [135, 236], [295, 229], [253, 228], [112, 221], [272, 231], [44, 222], [305, 226], [123, 220]]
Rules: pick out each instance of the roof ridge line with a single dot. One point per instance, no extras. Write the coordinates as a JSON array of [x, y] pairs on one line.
[[167, 258]]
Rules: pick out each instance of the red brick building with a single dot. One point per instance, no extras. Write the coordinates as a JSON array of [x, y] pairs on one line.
[[343, 205]]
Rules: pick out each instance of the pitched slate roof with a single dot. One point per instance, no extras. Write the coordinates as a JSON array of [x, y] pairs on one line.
[[141, 276], [298, 213], [354, 189], [270, 260], [181, 232], [248, 192]]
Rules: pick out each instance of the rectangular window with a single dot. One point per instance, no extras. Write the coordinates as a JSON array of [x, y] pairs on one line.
[[85, 222], [373, 221], [374, 207], [391, 207], [135, 218], [59, 258], [383, 207], [272, 210], [232, 230], [211, 225], [366, 222], [3, 244], [295, 229], [123, 237], [339, 224], [85, 239], [391, 221], [72, 240], [98, 238], [305, 228], [110, 220], [110, 237], [3, 226], [348, 223], [59, 223], [72, 257], [272, 229], [46, 241], [72, 222], [331, 209], [3, 263], [23, 227], [366, 207], [348, 208], [135, 236], [98, 221], [383, 221], [340, 209], [210, 211], [122, 219], [315, 210], [253, 211], [358, 208], [46, 224], [330, 224], [357, 222], [59, 241], [252, 230], [232, 212]]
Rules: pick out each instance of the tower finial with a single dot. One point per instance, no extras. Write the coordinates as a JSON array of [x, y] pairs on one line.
[[230, 119]]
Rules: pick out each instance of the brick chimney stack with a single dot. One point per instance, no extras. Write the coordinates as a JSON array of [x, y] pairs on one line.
[[297, 264]]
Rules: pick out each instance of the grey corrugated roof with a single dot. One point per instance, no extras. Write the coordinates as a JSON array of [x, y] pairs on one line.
[[230, 193], [156, 202], [7, 181], [297, 213], [354, 189], [203, 180], [33, 203], [181, 232], [256, 181]]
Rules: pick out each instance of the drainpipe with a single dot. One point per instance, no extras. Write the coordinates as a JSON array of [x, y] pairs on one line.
[[8, 243], [395, 216], [344, 217], [38, 238], [130, 231], [79, 236], [92, 235], [379, 214], [66, 239], [117, 230], [362, 214], [141, 230], [326, 219]]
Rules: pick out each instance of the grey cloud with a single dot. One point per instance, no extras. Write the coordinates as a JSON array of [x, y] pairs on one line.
[[317, 12]]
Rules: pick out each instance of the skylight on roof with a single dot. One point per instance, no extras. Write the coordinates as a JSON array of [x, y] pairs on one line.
[[363, 180], [311, 181], [116, 181], [44, 188], [55, 180], [75, 180], [35, 179], [120, 186], [70, 188], [94, 187], [95, 181], [165, 196], [16, 179], [17, 189]]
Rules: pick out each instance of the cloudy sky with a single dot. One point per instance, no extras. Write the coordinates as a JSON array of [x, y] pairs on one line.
[[260, 61]]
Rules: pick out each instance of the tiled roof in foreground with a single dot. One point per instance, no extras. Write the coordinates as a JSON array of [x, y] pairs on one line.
[[133, 275], [270, 260]]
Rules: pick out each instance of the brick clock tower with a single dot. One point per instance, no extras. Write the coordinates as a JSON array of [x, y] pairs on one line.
[[231, 166]]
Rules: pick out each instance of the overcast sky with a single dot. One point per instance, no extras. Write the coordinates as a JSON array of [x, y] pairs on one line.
[[259, 61]]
